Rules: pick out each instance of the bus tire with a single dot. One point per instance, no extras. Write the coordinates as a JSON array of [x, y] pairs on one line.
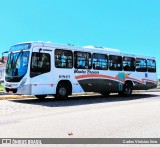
[[105, 93], [40, 97], [127, 90], [61, 92]]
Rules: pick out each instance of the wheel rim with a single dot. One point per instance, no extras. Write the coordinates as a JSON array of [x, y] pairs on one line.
[[128, 89], [62, 91]]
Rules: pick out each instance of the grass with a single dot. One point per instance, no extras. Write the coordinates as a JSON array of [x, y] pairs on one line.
[[1, 87]]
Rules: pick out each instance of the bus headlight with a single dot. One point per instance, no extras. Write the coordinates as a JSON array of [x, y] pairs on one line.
[[23, 82]]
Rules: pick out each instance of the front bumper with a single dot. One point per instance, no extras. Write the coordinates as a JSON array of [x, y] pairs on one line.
[[23, 90]]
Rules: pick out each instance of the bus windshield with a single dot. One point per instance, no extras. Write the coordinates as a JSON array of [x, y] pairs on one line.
[[17, 65]]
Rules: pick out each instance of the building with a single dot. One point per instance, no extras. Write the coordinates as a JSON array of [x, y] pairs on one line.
[[2, 68]]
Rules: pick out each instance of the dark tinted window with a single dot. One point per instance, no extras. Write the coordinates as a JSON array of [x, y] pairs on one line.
[[151, 65], [128, 64], [63, 58], [40, 63], [141, 65], [115, 62], [100, 61], [82, 60]]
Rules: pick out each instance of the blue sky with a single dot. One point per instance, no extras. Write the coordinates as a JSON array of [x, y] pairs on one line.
[[133, 26]]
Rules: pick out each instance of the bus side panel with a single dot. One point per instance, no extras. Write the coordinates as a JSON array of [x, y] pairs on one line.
[[42, 84], [102, 81], [152, 80], [105, 85], [62, 75], [142, 80], [106, 81]]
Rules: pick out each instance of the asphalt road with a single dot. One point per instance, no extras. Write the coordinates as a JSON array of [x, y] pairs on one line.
[[87, 116]]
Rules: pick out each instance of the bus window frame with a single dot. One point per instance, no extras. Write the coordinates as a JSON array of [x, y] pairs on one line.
[[107, 63], [34, 74], [75, 59], [152, 68], [114, 68], [130, 68], [141, 68], [65, 51]]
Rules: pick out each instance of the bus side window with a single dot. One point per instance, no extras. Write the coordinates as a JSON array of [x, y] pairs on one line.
[[115, 62], [46, 62], [40, 63], [151, 65], [141, 65], [63, 58], [100, 61], [128, 64], [82, 60]]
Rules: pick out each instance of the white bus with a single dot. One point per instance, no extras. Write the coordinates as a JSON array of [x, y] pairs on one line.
[[41, 69]]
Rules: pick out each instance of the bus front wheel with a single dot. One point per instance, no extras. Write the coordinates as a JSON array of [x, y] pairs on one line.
[[61, 92]]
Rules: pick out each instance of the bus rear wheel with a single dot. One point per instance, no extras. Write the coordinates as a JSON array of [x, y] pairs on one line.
[[127, 90], [40, 97], [61, 92]]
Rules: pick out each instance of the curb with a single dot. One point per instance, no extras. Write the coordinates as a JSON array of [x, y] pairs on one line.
[[5, 96]]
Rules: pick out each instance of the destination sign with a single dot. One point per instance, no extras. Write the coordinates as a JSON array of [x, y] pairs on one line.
[[18, 47]]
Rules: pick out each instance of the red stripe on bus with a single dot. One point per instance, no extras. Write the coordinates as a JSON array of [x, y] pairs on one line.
[[113, 78], [95, 76]]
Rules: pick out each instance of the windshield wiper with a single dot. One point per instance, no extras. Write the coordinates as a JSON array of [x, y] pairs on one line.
[[14, 70], [20, 53]]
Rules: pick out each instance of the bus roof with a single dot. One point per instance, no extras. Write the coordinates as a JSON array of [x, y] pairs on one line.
[[93, 49]]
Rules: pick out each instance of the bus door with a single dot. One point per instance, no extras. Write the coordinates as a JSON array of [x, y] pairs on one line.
[[40, 71]]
